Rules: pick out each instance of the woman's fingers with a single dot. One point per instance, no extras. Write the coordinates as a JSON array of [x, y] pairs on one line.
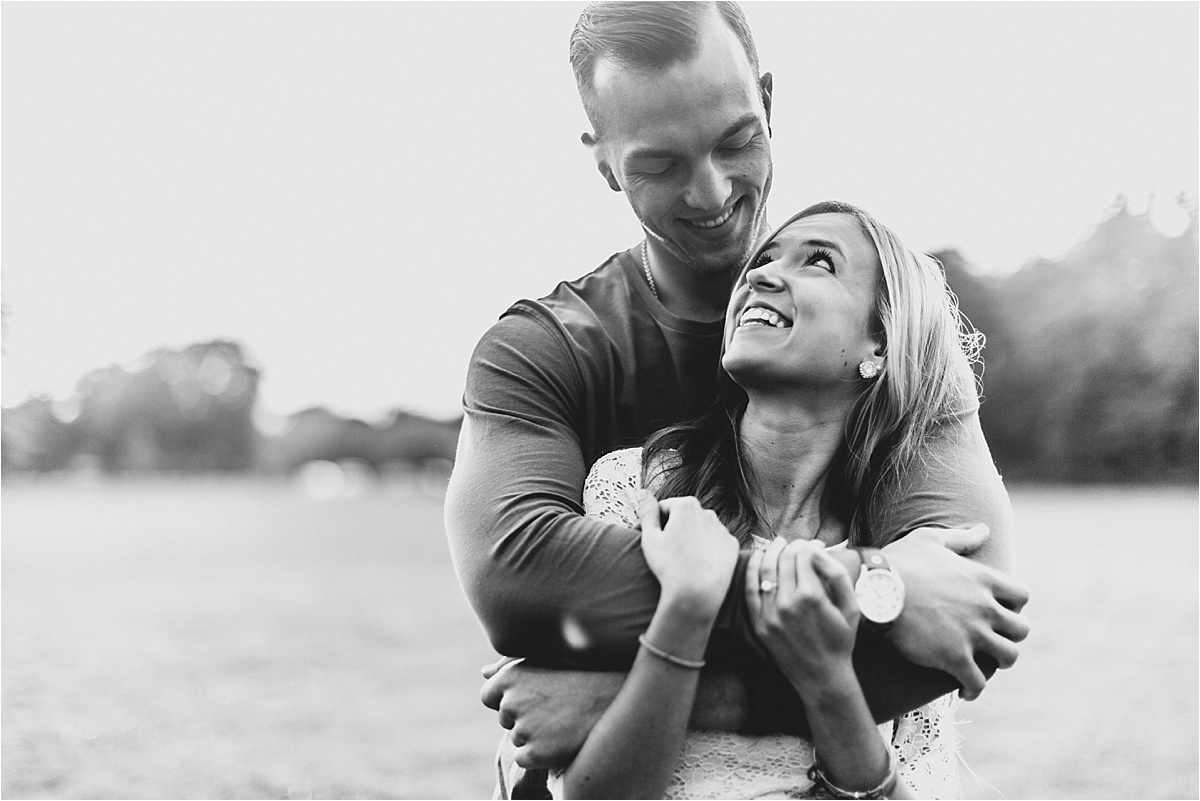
[[753, 593], [786, 573], [648, 511], [837, 584], [808, 583], [768, 574]]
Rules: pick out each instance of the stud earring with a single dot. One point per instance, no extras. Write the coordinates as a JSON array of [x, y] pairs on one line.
[[868, 369]]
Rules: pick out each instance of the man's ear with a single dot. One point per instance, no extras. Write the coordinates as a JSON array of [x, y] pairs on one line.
[[765, 85], [593, 144]]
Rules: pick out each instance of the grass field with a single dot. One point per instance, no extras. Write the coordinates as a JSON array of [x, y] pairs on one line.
[[241, 640]]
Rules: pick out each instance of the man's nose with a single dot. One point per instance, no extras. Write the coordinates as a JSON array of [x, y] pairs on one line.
[[709, 188]]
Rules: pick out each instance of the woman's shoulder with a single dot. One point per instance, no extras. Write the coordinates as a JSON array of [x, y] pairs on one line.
[[621, 461], [629, 460], [607, 491]]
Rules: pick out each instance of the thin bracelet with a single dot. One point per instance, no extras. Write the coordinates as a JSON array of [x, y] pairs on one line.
[[674, 660], [817, 776]]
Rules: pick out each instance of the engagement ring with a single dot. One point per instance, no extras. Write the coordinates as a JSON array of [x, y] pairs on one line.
[[767, 586]]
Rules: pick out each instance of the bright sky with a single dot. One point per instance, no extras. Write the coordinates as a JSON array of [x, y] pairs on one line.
[[357, 191]]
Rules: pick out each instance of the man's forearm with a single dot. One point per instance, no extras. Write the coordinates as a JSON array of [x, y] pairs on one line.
[[547, 582], [721, 703]]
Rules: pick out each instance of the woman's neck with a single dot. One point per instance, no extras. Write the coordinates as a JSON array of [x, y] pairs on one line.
[[789, 449]]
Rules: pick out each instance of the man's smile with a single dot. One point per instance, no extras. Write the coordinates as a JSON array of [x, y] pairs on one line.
[[714, 222]]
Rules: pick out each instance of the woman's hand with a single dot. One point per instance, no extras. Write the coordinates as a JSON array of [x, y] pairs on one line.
[[807, 616], [692, 554], [634, 747]]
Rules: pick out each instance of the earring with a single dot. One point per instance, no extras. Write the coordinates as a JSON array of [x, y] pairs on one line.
[[868, 369]]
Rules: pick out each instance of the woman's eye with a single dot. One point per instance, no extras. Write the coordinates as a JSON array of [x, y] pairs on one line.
[[823, 259], [766, 257]]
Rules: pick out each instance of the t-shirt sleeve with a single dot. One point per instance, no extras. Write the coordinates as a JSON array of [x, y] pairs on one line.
[[953, 484], [545, 581]]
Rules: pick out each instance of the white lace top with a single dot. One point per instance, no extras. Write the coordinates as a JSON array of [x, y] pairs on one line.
[[727, 765]]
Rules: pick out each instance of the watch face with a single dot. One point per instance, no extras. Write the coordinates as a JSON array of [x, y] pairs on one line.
[[880, 595]]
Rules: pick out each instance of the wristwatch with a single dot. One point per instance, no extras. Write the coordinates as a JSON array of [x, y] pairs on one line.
[[879, 590]]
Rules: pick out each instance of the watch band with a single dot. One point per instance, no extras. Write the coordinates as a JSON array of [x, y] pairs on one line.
[[872, 559]]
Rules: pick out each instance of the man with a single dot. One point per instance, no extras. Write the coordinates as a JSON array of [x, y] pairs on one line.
[[681, 125]]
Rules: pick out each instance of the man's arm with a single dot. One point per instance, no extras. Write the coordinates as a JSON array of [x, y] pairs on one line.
[[546, 582], [960, 620]]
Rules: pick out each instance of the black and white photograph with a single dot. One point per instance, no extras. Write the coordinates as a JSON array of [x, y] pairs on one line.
[[615, 399]]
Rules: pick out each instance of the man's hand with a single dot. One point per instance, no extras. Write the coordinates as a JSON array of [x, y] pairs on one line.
[[955, 610], [549, 712]]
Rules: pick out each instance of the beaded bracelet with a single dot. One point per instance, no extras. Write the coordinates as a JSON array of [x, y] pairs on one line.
[[817, 776], [674, 660]]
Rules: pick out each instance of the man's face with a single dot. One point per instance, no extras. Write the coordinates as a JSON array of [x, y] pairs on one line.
[[690, 147]]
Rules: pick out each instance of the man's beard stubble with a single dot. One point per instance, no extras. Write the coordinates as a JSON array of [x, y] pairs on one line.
[[708, 268]]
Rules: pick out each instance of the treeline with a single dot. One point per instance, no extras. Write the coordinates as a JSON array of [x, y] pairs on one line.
[[1091, 375], [192, 410]]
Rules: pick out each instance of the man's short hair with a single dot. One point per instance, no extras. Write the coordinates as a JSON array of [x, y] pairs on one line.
[[645, 36]]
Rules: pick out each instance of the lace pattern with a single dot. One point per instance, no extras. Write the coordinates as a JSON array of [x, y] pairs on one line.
[[727, 765]]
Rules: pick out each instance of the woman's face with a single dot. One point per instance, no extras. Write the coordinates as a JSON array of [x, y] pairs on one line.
[[801, 317]]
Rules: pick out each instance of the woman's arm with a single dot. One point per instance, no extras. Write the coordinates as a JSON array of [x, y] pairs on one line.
[[632, 751], [808, 616]]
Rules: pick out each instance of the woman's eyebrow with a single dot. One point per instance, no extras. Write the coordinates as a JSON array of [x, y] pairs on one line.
[[823, 243]]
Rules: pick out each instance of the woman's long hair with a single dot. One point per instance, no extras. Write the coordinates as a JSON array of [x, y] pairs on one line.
[[928, 350]]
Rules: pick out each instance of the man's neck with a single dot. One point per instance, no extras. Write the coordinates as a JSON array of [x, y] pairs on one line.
[[689, 293]]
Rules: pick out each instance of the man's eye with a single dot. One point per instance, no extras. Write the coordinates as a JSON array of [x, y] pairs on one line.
[[737, 144], [654, 170]]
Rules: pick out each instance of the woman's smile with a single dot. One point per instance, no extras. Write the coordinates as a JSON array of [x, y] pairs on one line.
[[756, 315]]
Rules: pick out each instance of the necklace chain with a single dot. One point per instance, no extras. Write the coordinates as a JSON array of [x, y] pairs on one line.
[[646, 270]]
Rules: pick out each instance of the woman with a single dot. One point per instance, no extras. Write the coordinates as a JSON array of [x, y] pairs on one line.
[[845, 351]]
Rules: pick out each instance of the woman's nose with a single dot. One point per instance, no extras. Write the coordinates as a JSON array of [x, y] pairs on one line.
[[764, 279]]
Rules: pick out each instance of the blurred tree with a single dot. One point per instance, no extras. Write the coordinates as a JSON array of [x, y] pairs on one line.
[[36, 438], [1091, 360], [187, 410]]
